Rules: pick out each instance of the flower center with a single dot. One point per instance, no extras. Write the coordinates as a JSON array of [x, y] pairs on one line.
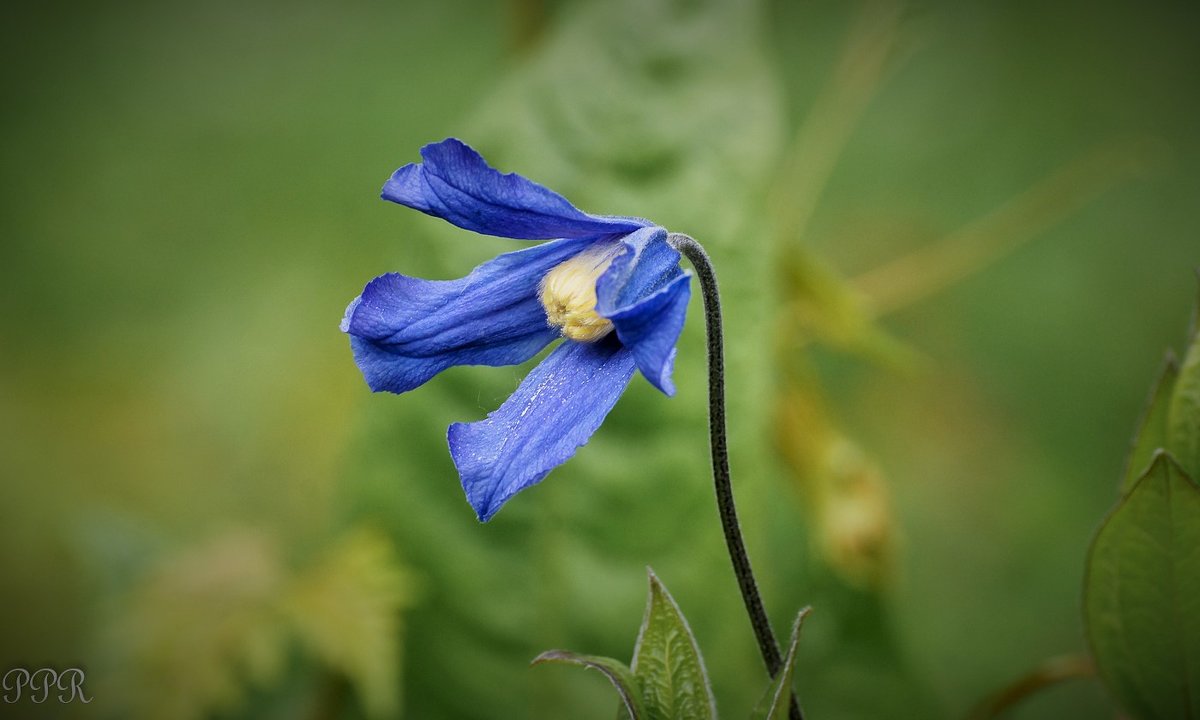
[[568, 293]]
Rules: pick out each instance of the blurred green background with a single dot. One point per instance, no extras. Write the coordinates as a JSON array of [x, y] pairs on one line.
[[954, 239]]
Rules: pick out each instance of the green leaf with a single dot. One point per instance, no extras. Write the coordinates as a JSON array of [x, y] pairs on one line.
[[1142, 595], [667, 662], [617, 673], [775, 702], [1152, 428], [1183, 419]]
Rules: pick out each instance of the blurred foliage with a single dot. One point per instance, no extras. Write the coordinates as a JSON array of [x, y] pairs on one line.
[[198, 629], [346, 611], [211, 622], [951, 237]]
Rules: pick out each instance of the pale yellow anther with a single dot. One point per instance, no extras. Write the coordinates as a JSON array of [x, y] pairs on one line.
[[568, 293]]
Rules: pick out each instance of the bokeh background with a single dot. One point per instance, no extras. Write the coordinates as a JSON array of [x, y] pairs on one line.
[[954, 238]]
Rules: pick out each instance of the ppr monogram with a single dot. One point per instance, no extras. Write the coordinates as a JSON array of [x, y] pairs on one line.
[[38, 685]]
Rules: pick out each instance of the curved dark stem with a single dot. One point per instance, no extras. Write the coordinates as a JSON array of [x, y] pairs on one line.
[[767, 643], [1050, 672]]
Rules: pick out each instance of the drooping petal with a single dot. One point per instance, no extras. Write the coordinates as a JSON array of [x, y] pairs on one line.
[[645, 294], [554, 411], [456, 184], [405, 330], [651, 327]]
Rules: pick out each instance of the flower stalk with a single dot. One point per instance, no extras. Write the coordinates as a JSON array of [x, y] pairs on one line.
[[718, 443]]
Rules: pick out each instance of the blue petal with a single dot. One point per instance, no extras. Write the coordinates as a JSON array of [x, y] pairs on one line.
[[555, 410], [405, 330], [651, 327], [645, 295], [456, 184]]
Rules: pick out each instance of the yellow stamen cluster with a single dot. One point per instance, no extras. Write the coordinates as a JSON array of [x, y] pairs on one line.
[[568, 293]]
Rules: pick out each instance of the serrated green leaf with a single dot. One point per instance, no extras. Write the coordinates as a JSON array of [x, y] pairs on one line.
[[1183, 420], [1152, 428], [777, 699], [1142, 596], [667, 662], [617, 672]]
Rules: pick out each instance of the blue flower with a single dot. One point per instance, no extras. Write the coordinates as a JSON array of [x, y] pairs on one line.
[[610, 287]]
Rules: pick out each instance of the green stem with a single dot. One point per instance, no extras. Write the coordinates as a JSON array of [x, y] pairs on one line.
[[767, 644]]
